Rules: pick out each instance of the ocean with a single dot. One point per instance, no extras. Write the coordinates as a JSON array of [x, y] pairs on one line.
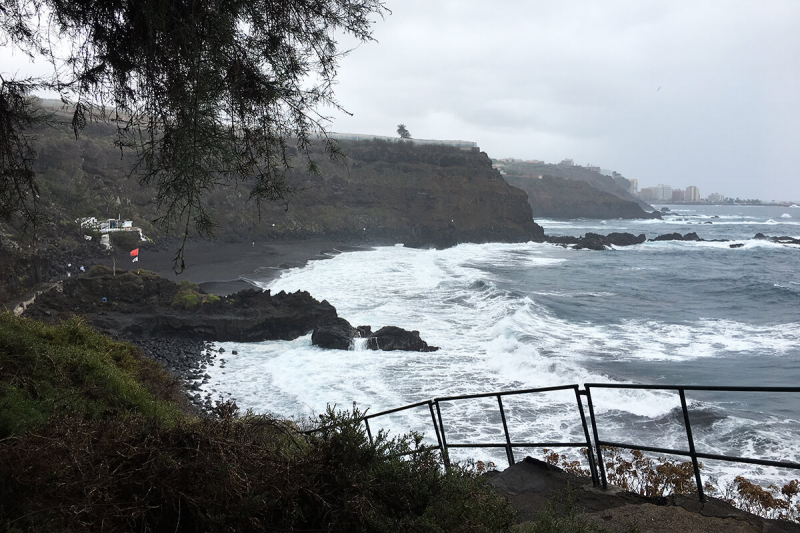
[[528, 315]]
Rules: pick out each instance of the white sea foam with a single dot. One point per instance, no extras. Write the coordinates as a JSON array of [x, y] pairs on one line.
[[491, 339]]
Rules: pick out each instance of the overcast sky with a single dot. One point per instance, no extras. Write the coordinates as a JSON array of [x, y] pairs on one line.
[[703, 93], [697, 92]]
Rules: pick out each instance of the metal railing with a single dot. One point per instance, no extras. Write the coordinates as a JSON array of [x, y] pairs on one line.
[[691, 452], [593, 444]]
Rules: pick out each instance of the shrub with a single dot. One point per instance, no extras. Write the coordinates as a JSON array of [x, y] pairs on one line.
[[185, 299], [251, 473], [661, 477]]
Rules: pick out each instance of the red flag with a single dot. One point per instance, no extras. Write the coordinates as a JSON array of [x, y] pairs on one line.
[[135, 252]]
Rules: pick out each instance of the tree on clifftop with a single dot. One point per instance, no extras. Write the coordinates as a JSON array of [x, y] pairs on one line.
[[205, 92], [403, 132]]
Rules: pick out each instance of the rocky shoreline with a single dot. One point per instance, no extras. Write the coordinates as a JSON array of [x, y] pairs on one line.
[[177, 324]]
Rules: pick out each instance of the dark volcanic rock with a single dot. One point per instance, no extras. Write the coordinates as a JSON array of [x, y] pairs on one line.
[[626, 239], [138, 306], [678, 237], [780, 240], [334, 333], [594, 241], [390, 338]]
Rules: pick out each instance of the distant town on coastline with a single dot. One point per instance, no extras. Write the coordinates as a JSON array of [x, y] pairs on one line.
[[659, 193]]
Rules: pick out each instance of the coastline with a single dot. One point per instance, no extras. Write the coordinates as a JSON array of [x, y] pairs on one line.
[[226, 268]]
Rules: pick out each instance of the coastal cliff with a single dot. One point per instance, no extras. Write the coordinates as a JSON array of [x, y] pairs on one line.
[[381, 193], [391, 192], [571, 191], [557, 197]]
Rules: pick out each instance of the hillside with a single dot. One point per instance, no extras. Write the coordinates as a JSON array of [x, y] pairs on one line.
[[582, 193], [557, 197], [383, 193]]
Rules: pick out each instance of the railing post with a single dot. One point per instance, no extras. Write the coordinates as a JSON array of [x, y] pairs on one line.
[[600, 464], [436, 428], [589, 452], [509, 451], [691, 446], [445, 455], [369, 433]]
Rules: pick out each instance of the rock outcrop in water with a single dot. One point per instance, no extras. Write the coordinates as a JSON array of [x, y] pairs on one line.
[[338, 334], [678, 237], [390, 338], [778, 240], [594, 241]]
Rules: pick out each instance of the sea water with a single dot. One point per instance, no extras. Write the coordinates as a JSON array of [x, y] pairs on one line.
[[529, 315]]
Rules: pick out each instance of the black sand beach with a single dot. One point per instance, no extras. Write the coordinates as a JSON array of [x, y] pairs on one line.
[[225, 268]]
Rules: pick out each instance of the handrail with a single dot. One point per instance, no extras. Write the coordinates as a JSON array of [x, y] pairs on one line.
[[596, 467], [692, 452]]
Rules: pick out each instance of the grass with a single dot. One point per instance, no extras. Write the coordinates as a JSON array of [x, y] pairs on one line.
[[70, 370]]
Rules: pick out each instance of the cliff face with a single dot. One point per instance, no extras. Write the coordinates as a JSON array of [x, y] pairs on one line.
[[389, 192], [383, 193], [556, 197]]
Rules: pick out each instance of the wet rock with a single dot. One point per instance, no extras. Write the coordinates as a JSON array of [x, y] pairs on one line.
[[391, 338], [678, 237], [334, 333]]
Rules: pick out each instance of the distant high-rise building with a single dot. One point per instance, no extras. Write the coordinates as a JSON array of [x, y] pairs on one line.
[[678, 195], [648, 193], [663, 192], [692, 194], [634, 187], [715, 198], [567, 163]]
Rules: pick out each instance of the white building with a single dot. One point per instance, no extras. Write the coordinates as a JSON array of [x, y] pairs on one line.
[[692, 194], [663, 192]]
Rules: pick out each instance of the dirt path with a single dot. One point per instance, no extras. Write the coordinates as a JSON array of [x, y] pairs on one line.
[[19, 306]]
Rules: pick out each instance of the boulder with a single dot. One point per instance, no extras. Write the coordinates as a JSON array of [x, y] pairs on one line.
[[594, 241], [334, 333], [391, 338], [678, 237], [626, 239]]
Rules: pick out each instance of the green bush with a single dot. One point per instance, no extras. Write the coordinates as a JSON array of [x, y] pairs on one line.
[[185, 299]]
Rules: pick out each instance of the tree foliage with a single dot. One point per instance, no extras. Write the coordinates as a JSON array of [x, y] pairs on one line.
[[206, 92], [403, 132]]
